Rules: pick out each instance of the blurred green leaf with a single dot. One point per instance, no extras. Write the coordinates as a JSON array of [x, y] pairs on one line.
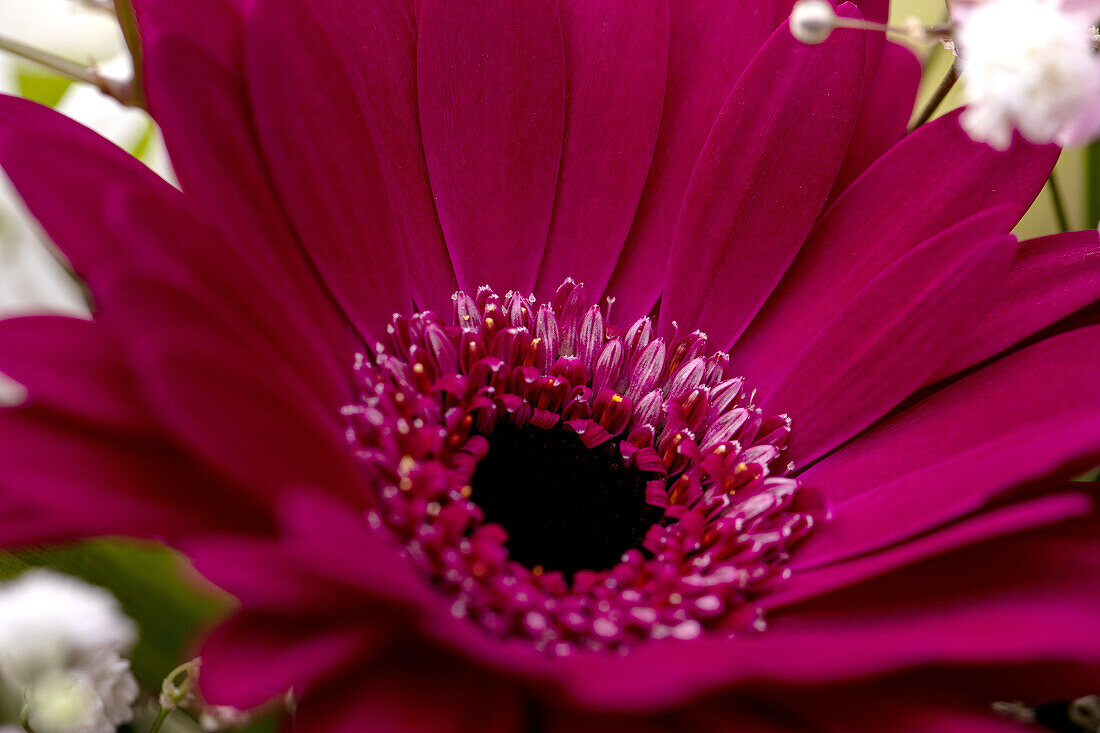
[[1092, 183], [41, 87], [141, 147]]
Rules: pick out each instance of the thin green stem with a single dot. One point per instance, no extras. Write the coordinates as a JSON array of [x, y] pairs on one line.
[[1059, 207], [938, 96], [120, 90], [161, 717]]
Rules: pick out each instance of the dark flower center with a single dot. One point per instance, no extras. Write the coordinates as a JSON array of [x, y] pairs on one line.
[[566, 507], [566, 482]]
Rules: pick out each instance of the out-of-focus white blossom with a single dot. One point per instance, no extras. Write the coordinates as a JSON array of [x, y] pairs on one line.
[[65, 701], [48, 620], [1029, 65], [115, 685], [61, 643]]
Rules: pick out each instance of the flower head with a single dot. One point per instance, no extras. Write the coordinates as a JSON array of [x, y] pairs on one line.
[[772, 444]]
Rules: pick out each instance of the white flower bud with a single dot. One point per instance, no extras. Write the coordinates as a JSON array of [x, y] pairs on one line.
[[812, 21]]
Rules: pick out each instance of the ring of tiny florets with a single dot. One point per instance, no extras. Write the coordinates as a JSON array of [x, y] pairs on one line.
[[429, 398]]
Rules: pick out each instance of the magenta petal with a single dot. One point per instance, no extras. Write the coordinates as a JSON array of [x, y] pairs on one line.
[[616, 63], [333, 192], [109, 214], [411, 691], [91, 482], [72, 367], [804, 649], [310, 580], [935, 700], [884, 114], [1032, 415], [710, 44], [883, 344], [984, 526], [1007, 602], [492, 100], [193, 61], [254, 426], [761, 180], [377, 43], [252, 658], [928, 182], [329, 563], [1051, 278]]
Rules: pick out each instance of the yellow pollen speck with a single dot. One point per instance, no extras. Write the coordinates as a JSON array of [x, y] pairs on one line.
[[490, 323], [675, 598], [721, 450], [617, 399], [465, 317], [418, 369], [406, 466], [536, 341], [433, 508], [538, 570], [405, 484], [466, 491], [741, 468]]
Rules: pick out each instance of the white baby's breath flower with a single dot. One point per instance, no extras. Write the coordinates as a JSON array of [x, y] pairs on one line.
[[49, 620], [114, 684], [65, 701], [61, 644], [1028, 65]]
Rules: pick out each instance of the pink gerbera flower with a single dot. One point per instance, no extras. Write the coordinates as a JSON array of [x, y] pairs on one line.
[[712, 401]]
